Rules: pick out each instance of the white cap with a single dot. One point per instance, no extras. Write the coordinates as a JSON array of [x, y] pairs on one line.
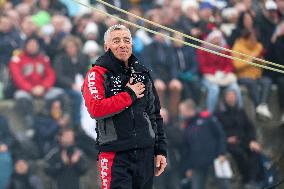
[[270, 5], [91, 47], [189, 3], [91, 28], [47, 29], [228, 12]]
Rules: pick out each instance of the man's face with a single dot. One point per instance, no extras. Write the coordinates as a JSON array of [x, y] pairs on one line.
[[186, 111], [71, 48], [120, 43], [5, 24], [67, 139], [231, 98], [21, 167]]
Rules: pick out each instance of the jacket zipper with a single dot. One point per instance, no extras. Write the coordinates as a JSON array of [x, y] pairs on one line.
[[133, 119]]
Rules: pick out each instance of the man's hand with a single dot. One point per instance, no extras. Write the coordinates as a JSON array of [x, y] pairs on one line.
[[75, 157], [222, 158], [161, 163], [38, 91], [65, 158], [76, 87], [255, 146], [138, 88]]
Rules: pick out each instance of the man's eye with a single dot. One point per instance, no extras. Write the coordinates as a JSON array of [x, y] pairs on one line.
[[127, 41], [116, 42]]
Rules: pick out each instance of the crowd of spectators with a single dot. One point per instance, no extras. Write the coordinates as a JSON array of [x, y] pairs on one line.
[[47, 46]]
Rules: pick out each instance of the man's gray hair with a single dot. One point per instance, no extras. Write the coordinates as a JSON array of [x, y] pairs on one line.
[[115, 27]]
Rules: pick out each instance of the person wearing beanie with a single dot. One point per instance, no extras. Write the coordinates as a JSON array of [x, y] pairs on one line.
[[92, 49], [217, 71]]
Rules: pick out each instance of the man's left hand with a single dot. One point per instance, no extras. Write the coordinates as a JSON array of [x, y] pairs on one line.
[[161, 163], [255, 146]]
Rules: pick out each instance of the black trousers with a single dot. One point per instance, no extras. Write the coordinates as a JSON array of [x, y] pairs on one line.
[[248, 162], [132, 169]]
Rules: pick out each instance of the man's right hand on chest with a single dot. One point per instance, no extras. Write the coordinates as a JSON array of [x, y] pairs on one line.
[[138, 88]]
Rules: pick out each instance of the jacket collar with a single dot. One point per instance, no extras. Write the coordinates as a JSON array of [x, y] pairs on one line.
[[111, 63]]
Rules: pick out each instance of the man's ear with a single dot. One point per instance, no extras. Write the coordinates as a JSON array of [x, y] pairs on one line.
[[106, 47]]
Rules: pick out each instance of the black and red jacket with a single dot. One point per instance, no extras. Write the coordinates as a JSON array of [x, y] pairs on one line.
[[123, 121]]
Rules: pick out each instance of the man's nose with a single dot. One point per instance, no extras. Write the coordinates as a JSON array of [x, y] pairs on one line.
[[122, 45]]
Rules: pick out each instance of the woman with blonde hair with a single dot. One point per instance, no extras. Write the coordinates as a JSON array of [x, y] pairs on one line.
[[71, 65]]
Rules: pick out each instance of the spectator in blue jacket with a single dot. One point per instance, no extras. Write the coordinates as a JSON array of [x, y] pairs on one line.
[[186, 69], [158, 56], [204, 141]]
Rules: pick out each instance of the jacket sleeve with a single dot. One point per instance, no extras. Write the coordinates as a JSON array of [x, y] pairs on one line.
[[7, 137], [250, 130], [81, 166], [16, 73], [239, 65], [53, 163], [193, 61], [50, 77], [202, 58], [153, 111], [62, 80], [228, 63], [219, 134], [97, 104]]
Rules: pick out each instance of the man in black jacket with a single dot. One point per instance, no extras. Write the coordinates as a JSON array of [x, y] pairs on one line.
[[66, 162], [120, 95], [241, 138], [159, 57], [204, 141]]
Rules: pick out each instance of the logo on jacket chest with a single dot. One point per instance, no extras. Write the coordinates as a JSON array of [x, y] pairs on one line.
[[116, 84]]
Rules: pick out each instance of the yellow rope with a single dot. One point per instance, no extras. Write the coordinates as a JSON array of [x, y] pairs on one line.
[[180, 41], [188, 36]]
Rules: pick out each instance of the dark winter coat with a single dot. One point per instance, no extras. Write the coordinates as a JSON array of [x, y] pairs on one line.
[[204, 141]]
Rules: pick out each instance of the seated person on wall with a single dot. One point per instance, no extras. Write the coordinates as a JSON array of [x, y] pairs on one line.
[[241, 138], [23, 178], [186, 69], [33, 77], [47, 126], [204, 141], [252, 77], [66, 163], [158, 56], [6, 142], [217, 71], [68, 66], [277, 55]]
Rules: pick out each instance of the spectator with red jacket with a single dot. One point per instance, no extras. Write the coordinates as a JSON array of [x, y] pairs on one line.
[[217, 71], [33, 77]]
